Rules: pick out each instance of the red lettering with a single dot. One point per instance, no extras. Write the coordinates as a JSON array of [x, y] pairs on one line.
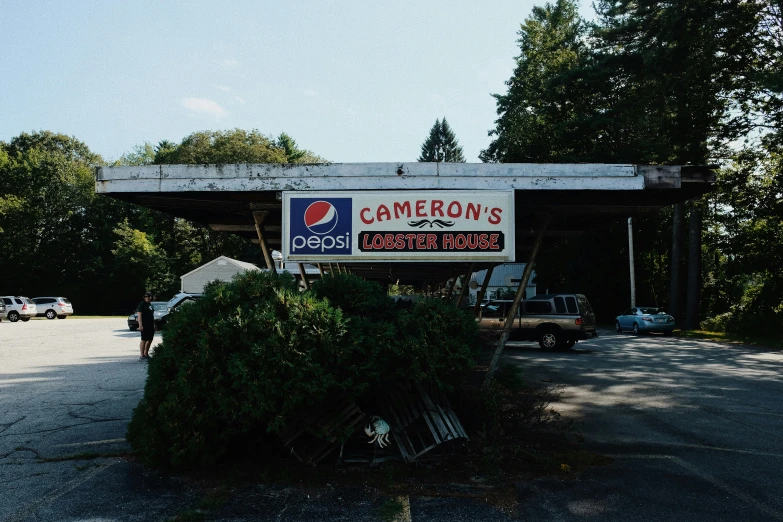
[[411, 238], [364, 219], [458, 212], [420, 208], [493, 241], [420, 238], [460, 241], [494, 217], [448, 241], [475, 209], [483, 241], [437, 208], [377, 242], [432, 242], [472, 241], [383, 212], [403, 209], [399, 241], [366, 241], [389, 241]]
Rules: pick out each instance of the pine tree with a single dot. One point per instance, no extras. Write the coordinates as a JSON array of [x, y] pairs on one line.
[[441, 145]]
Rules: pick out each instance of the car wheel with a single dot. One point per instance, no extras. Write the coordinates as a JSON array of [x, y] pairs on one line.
[[570, 344], [24, 319], [550, 339], [13, 316], [50, 314], [617, 326], [635, 329]]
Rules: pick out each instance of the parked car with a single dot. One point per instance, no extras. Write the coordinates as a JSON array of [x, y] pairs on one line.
[[554, 320], [174, 304], [19, 307], [158, 308], [645, 319], [2, 310], [51, 307]]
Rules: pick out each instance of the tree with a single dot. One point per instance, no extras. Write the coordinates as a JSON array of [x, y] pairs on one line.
[[542, 116], [441, 145]]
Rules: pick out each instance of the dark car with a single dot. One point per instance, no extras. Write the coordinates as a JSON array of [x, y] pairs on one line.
[[179, 300], [158, 307]]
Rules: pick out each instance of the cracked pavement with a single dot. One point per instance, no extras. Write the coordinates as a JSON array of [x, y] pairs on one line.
[[693, 428]]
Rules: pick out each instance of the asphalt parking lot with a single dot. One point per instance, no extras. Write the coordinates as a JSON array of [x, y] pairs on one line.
[[693, 428]]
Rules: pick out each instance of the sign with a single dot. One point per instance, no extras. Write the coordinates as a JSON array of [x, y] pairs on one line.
[[435, 225]]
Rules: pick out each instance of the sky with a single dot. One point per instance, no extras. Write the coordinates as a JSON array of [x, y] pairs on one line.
[[351, 81]]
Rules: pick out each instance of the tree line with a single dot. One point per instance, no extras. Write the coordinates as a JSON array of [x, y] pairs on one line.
[[684, 82]]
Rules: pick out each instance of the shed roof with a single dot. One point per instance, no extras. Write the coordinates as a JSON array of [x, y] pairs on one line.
[[235, 262]]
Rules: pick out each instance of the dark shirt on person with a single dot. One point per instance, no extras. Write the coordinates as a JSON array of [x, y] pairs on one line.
[[147, 317]]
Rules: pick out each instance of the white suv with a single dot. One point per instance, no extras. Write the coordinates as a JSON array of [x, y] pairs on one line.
[[18, 307], [51, 307]]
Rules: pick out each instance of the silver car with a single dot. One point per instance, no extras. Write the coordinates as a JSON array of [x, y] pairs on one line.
[[51, 307], [19, 307], [645, 319]]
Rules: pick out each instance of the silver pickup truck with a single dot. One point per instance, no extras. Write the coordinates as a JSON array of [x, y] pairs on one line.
[[556, 321]]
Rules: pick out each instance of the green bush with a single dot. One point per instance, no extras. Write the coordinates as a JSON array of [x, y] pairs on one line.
[[241, 362]]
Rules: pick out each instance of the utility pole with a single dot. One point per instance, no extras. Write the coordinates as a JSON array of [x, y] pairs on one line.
[[630, 262]]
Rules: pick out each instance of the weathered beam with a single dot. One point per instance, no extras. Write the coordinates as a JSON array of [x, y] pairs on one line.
[[243, 228], [512, 312], [367, 176], [258, 217]]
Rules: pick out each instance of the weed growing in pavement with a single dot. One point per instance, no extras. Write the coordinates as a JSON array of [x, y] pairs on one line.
[[390, 510]]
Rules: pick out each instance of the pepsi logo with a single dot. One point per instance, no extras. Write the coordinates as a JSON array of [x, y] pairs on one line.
[[320, 217]]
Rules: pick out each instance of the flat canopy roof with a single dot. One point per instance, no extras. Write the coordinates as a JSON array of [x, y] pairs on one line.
[[578, 197]]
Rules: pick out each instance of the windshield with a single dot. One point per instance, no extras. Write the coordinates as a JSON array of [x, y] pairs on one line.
[[651, 311], [64, 300], [159, 307]]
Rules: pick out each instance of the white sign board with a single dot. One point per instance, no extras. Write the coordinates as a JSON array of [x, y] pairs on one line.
[[435, 225]]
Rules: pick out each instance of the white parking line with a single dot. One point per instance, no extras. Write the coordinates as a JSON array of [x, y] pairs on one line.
[[693, 470]]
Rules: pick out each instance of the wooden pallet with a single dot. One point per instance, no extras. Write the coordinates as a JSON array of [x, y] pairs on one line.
[[316, 433], [421, 419]]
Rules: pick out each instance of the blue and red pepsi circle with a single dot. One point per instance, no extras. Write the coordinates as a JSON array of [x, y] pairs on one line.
[[321, 217], [320, 226]]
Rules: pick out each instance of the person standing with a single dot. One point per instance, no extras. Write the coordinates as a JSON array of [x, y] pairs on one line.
[[144, 314]]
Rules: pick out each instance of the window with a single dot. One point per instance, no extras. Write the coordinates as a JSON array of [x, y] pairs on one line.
[[571, 305], [628, 312], [560, 305], [17, 300], [538, 307], [7, 301]]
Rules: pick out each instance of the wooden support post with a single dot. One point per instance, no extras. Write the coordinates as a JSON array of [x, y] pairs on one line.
[[331, 270], [694, 268], [258, 218], [480, 296], [675, 265], [321, 270], [512, 312], [303, 274], [464, 288]]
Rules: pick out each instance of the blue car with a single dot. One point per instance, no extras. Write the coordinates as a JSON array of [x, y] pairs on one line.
[[645, 319]]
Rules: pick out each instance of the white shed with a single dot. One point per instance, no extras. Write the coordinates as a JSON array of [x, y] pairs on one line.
[[221, 269]]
